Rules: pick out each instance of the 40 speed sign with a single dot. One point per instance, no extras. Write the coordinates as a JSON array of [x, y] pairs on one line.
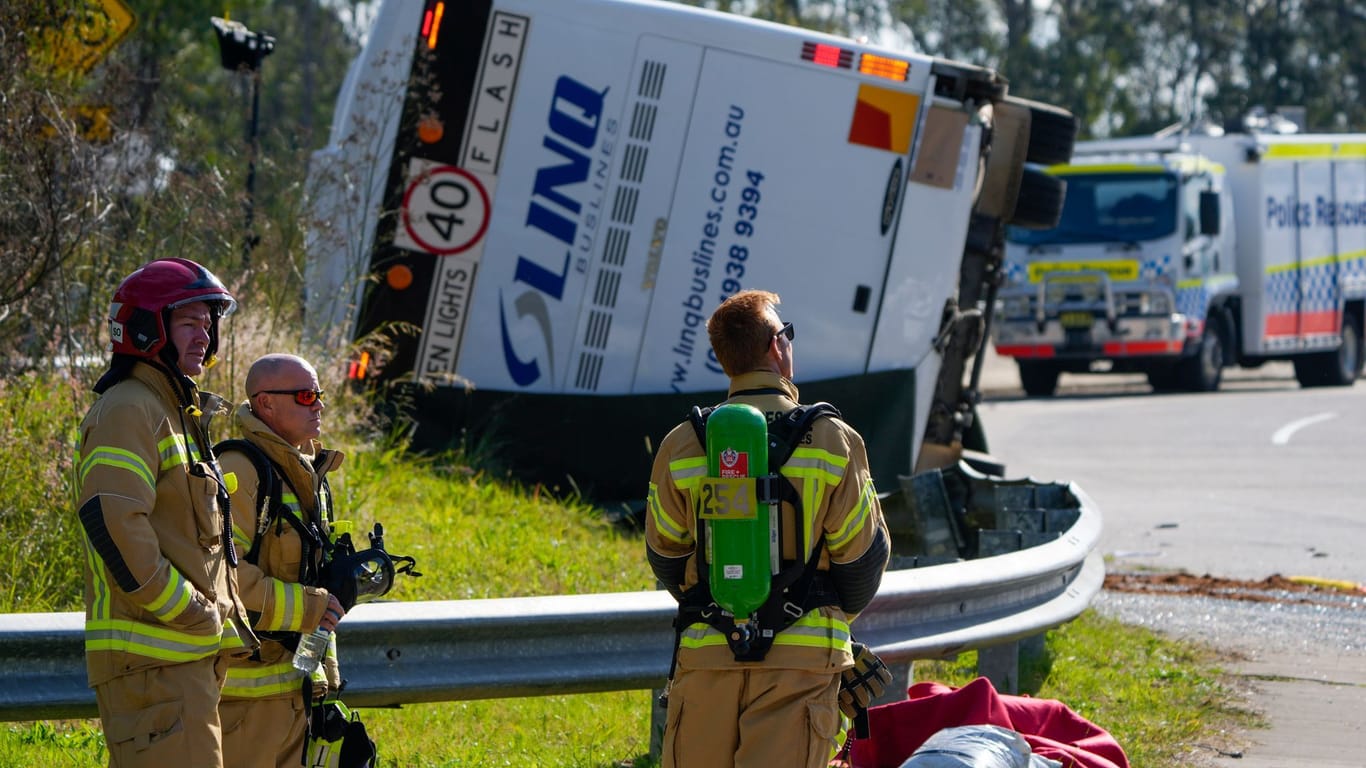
[[445, 209]]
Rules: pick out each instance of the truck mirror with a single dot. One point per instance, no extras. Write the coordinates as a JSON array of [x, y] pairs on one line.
[[1209, 213]]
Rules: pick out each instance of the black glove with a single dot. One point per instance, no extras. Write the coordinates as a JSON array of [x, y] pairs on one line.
[[863, 682]]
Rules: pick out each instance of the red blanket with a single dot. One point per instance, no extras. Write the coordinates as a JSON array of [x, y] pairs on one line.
[[1052, 730]]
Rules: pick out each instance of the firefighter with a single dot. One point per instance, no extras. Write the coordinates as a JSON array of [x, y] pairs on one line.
[[282, 519], [162, 610], [779, 706]]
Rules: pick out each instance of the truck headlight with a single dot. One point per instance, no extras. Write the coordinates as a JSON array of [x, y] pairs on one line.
[[1015, 306]]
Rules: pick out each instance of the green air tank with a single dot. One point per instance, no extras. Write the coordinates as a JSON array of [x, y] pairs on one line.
[[741, 532]]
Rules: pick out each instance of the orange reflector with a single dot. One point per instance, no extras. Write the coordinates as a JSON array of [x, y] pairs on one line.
[[358, 367], [881, 66], [827, 55], [435, 29], [399, 277], [430, 129]]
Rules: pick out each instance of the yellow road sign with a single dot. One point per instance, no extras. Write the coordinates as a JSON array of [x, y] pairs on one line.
[[87, 35]]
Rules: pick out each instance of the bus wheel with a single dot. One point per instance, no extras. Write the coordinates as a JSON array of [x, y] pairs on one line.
[[1337, 368], [1039, 205], [1052, 132], [1038, 379]]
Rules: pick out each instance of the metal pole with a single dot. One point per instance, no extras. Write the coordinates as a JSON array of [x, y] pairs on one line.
[[252, 148]]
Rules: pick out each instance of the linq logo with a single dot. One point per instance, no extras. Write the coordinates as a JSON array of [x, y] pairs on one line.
[[734, 463]]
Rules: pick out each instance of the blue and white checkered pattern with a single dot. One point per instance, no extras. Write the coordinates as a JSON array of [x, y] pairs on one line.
[[1153, 268], [1320, 289]]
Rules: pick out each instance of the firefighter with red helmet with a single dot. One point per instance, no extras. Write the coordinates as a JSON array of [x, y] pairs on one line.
[[162, 610]]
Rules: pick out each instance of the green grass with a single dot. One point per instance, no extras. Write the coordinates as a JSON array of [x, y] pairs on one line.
[[477, 535]]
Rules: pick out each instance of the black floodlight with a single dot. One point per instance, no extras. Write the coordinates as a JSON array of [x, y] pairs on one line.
[[240, 47]]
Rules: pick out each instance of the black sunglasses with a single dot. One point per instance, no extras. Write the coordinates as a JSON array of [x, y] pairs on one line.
[[304, 397], [786, 330]]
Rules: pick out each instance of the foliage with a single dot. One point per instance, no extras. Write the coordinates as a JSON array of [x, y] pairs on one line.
[[36, 518], [1128, 67]]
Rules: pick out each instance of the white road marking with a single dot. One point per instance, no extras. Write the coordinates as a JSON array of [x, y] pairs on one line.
[[1283, 434]]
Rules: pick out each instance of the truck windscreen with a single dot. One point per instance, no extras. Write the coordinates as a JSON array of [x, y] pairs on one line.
[[1110, 207]]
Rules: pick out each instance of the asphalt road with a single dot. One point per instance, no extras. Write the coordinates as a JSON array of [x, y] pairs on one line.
[[1260, 478]]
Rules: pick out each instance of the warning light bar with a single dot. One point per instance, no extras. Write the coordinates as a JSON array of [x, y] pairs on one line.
[[431, 23], [827, 55], [881, 66]]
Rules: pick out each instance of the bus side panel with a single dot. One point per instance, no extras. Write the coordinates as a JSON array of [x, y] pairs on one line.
[[645, 159], [927, 255], [774, 193], [562, 126]]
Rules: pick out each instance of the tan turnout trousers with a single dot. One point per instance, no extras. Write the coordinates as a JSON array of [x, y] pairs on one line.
[[774, 729], [162, 716]]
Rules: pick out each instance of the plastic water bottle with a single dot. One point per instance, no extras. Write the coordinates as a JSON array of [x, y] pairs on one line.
[[312, 648]]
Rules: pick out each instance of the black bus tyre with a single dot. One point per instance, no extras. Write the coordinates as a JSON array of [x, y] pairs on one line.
[[1052, 132], [1039, 205]]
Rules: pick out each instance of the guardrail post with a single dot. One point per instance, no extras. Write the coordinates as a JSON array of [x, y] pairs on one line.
[[658, 719], [1001, 665]]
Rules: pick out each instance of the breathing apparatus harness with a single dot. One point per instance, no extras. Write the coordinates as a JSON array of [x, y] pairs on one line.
[[353, 577], [797, 587]]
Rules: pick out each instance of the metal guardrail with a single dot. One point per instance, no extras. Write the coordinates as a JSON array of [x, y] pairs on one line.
[[451, 650]]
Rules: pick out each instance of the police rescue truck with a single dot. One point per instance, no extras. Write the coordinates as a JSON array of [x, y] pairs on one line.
[[1177, 256], [527, 210]]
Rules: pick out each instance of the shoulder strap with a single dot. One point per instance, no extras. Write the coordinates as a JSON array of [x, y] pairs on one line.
[[267, 480], [789, 429], [698, 417]]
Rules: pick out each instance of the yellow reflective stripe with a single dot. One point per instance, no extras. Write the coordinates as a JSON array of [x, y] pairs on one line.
[[687, 473], [255, 682], [287, 609], [1318, 149], [1063, 170], [150, 641], [854, 523], [117, 458], [172, 451], [814, 462], [812, 631], [241, 537], [99, 604], [665, 525], [173, 599], [231, 637]]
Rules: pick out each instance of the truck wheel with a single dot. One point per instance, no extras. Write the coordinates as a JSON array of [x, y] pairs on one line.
[[1202, 371], [1039, 205], [1052, 132], [1338, 368], [1038, 379], [1164, 378]]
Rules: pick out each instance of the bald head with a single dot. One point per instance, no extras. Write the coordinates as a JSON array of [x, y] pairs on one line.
[[272, 382]]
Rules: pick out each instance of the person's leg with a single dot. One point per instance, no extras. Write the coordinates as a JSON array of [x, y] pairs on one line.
[[788, 717], [258, 732], [163, 716], [701, 722]]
